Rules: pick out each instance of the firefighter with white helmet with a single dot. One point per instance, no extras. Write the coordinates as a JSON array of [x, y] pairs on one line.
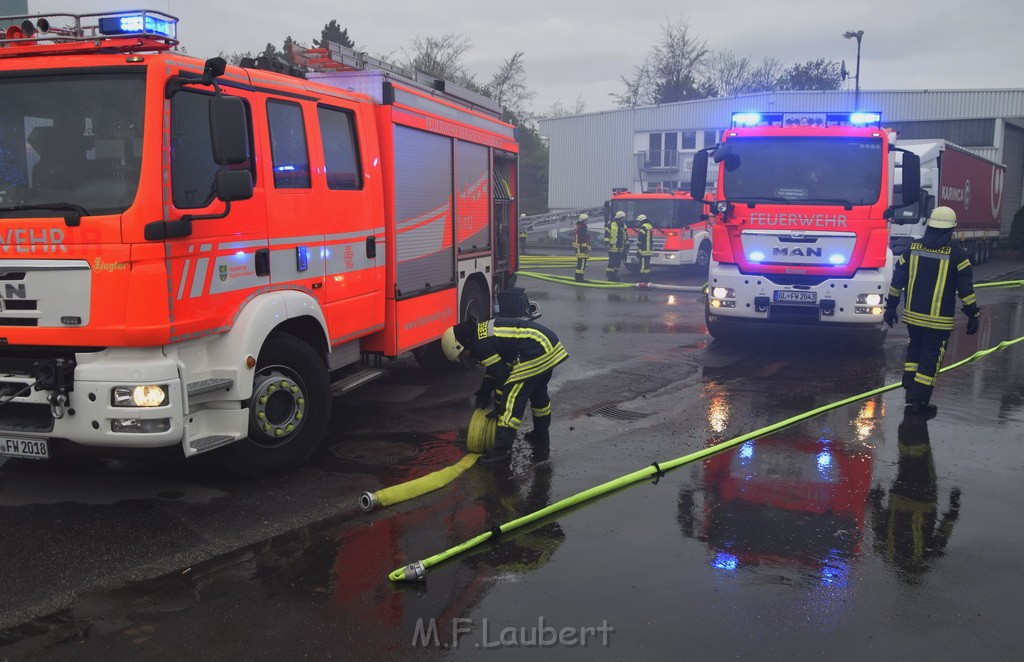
[[519, 357], [932, 272], [615, 242], [581, 242], [644, 243]]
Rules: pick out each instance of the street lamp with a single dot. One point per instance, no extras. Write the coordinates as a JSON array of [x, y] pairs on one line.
[[856, 77]]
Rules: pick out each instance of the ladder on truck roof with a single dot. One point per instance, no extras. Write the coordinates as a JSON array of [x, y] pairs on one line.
[[336, 57]]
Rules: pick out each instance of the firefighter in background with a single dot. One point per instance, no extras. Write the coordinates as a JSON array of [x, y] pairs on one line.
[[644, 243], [932, 271], [519, 357], [522, 233], [581, 242], [615, 242], [908, 530]]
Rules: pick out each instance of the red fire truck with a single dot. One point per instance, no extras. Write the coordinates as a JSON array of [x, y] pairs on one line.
[[799, 227], [681, 236], [191, 253]]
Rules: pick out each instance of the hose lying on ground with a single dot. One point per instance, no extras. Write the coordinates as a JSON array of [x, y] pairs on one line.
[[479, 439], [610, 285], [417, 570]]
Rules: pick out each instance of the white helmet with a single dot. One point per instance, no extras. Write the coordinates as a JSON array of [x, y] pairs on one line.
[[620, 214], [584, 217], [942, 218], [450, 344], [641, 218]]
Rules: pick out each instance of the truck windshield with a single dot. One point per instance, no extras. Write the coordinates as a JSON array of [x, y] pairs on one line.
[[820, 171], [70, 140], [661, 213]]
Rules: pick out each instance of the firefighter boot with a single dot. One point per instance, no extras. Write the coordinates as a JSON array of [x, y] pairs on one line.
[[579, 278], [501, 454], [540, 438]]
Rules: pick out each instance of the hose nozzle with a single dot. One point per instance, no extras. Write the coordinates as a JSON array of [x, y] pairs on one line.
[[416, 571]]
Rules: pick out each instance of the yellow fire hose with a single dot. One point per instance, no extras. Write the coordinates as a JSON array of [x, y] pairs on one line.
[[479, 439], [417, 570]]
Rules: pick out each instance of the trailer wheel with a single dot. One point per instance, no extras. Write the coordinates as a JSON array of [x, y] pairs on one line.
[[289, 409]]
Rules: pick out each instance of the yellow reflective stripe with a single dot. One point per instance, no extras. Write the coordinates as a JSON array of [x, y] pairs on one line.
[[928, 321], [543, 411], [924, 379], [911, 280], [524, 333], [963, 265], [910, 367], [969, 299], [536, 366], [914, 450], [938, 364], [940, 282], [490, 360], [893, 292], [506, 419]]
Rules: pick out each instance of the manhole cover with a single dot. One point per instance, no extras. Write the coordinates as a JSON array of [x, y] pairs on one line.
[[375, 451], [611, 411]]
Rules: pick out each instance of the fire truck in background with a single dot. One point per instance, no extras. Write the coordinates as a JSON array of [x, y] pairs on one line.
[[198, 255], [799, 226], [681, 236], [954, 177]]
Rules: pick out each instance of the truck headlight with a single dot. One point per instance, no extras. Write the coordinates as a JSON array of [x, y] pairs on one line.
[[145, 395], [722, 292], [870, 299]]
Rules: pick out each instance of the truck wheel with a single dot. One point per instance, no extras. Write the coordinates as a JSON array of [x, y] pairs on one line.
[[703, 259], [717, 329], [288, 411]]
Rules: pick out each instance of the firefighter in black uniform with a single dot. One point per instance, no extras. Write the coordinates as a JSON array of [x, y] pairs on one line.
[[581, 242], [644, 243], [932, 271], [615, 242], [519, 357], [909, 530]]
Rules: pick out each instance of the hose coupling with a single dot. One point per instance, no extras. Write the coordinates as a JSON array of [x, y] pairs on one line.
[[416, 571], [367, 501]]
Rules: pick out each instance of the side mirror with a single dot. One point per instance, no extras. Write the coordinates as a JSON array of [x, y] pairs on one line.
[[229, 130], [234, 185], [699, 175], [911, 178]]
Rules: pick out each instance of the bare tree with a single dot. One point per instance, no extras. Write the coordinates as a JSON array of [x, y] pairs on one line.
[[442, 57], [726, 73], [508, 86], [559, 109], [670, 70], [766, 76]]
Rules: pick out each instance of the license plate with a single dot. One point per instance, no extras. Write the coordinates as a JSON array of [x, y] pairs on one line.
[[36, 449], [796, 296]]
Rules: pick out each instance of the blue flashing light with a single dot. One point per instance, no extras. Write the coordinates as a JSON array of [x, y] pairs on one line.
[[746, 119], [140, 23], [747, 450], [756, 256], [837, 258], [824, 459], [865, 118], [725, 561]]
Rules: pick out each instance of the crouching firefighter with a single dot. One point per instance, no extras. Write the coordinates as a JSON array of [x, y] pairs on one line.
[[519, 357], [932, 271]]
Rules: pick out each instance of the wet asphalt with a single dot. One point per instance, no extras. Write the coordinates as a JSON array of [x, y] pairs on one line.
[[859, 532]]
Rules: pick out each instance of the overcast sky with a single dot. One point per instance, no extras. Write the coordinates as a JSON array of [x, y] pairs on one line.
[[581, 48]]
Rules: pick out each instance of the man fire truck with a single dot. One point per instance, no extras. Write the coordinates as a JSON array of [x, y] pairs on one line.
[[681, 236], [209, 247], [799, 225]]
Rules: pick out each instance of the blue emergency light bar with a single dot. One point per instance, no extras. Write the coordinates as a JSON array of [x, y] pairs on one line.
[[859, 118], [139, 23]]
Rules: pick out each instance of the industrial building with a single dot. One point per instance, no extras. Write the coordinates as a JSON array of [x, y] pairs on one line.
[[651, 147]]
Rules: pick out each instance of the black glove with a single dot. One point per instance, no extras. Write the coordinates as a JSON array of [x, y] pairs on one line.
[[972, 325], [483, 397], [889, 317]]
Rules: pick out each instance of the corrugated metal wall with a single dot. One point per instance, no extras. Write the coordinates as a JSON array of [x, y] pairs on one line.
[[592, 153], [1013, 183]]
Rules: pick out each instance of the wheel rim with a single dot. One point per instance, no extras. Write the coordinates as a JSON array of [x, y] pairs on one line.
[[703, 257], [277, 407]]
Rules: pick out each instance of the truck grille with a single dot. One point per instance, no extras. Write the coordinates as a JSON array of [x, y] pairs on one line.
[[26, 417]]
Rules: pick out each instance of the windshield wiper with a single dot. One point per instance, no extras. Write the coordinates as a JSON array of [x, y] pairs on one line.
[[751, 200], [70, 220], [839, 201]]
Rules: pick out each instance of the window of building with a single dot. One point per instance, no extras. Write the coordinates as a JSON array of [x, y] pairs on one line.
[[288, 149], [689, 140], [710, 138], [341, 156], [663, 149]]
